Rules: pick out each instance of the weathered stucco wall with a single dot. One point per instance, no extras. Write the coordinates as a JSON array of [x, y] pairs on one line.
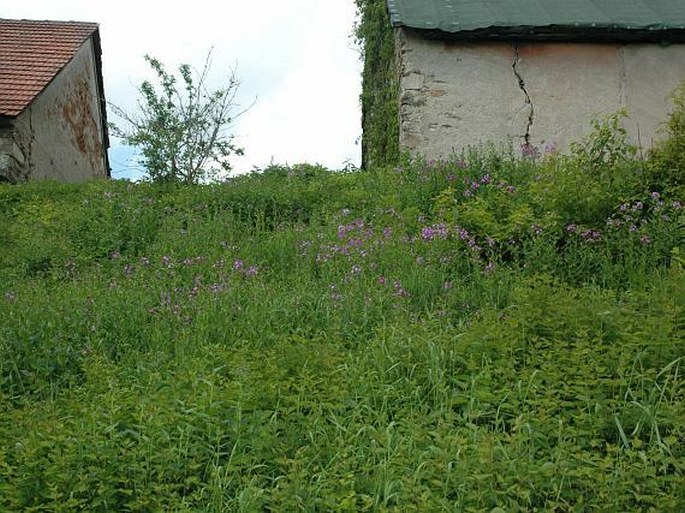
[[60, 135], [10, 169], [458, 94]]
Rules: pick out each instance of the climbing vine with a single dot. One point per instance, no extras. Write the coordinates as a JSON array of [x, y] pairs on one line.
[[380, 91]]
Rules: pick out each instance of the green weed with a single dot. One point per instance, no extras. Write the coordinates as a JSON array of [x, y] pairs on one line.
[[482, 333]]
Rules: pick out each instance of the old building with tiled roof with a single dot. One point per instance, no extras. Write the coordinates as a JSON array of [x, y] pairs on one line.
[[52, 102], [530, 72]]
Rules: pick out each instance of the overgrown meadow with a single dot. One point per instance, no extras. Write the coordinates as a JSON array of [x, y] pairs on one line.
[[487, 333]]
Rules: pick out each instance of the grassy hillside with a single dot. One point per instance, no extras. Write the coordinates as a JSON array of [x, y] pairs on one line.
[[480, 334]]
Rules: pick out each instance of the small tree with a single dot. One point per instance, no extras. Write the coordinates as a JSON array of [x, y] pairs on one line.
[[181, 129]]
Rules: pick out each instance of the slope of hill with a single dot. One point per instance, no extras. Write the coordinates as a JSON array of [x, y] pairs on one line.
[[487, 333]]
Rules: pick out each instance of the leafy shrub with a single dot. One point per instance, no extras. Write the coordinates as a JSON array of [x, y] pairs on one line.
[[666, 165], [480, 333]]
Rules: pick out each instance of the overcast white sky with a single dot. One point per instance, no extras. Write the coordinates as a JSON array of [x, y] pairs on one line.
[[295, 57]]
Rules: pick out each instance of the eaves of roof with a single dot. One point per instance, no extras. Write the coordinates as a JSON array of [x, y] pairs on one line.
[[622, 20]]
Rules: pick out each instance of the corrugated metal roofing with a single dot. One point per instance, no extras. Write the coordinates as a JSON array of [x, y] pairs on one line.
[[31, 54], [456, 16]]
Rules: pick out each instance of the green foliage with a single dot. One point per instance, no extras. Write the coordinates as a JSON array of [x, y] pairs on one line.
[[606, 147], [476, 334], [380, 90], [180, 130], [666, 169]]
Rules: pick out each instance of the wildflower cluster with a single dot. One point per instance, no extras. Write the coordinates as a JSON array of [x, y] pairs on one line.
[[585, 234], [435, 231], [247, 271], [474, 185], [353, 239], [641, 217], [532, 152]]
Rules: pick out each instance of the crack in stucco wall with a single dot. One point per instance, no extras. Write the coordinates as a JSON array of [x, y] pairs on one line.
[[522, 86]]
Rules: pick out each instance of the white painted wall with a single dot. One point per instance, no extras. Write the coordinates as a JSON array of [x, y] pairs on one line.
[[459, 94]]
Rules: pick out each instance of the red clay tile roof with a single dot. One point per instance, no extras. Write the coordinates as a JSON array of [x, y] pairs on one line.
[[31, 54]]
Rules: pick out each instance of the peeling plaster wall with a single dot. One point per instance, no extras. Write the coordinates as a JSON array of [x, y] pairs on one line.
[[60, 134], [459, 94]]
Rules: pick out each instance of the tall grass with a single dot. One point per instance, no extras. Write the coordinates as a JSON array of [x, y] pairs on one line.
[[484, 333]]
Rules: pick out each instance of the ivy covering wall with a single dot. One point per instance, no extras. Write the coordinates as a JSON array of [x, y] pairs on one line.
[[380, 88]]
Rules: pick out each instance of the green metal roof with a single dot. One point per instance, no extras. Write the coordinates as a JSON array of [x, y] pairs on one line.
[[539, 16]]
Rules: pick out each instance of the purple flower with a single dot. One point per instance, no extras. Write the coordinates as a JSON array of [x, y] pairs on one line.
[[550, 147], [485, 180], [571, 228], [382, 280], [251, 271], [115, 255], [399, 290], [216, 287], [436, 231], [475, 247], [529, 151], [655, 195], [238, 264], [646, 240], [591, 235], [511, 189], [637, 205], [335, 294], [489, 268]]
